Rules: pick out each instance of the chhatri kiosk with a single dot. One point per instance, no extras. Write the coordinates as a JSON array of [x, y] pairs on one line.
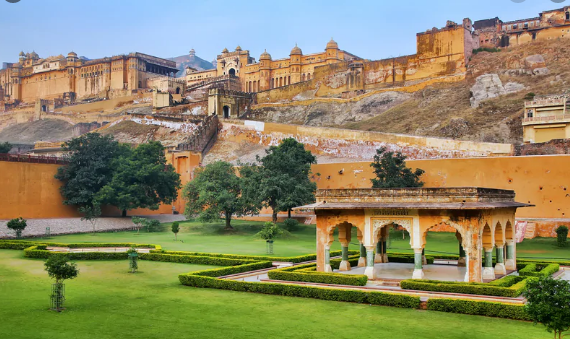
[[483, 219]]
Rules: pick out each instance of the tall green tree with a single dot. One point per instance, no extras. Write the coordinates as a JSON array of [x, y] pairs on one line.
[[141, 179], [216, 191], [282, 181], [548, 303], [91, 167], [5, 147], [391, 171]]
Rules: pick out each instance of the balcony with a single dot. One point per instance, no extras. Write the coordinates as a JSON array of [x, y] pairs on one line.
[[547, 119]]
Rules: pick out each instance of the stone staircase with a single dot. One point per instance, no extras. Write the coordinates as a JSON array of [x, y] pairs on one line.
[[530, 231]]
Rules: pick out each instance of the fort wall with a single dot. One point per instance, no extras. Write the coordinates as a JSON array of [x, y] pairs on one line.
[[30, 190]]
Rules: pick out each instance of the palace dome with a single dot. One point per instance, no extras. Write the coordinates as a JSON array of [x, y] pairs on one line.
[[72, 54], [265, 55], [332, 44], [21, 54], [296, 50], [238, 49], [225, 50]]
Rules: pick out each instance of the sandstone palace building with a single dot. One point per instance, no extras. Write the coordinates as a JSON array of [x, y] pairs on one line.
[[70, 77], [268, 73], [547, 25]]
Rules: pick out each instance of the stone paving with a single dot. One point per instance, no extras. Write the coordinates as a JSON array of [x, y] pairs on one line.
[[403, 271]]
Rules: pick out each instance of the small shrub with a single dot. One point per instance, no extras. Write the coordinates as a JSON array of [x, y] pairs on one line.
[[308, 273], [18, 225], [291, 225], [486, 49], [529, 96], [175, 229], [485, 308], [562, 236], [269, 231]]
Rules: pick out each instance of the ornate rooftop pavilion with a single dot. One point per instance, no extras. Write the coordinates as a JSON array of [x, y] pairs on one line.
[[483, 219]]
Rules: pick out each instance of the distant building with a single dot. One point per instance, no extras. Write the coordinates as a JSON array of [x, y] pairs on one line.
[[547, 25], [546, 118], [33, 78]]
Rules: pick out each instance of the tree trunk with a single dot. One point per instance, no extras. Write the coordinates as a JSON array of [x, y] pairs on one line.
[[124, 213], [274, 215], [228, 221], [175, 236], [289, 213]]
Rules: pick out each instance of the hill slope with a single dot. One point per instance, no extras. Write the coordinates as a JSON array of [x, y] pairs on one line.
[[444, 110], [184, 61]]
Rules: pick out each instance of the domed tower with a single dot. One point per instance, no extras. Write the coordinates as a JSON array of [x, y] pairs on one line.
[[265, 71], [238, 49], [22, 57], [192, 53], [71, 57], [332, 52], [295, 64]]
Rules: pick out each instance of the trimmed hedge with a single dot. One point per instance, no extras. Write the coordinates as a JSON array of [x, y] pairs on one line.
[[539, 270], [40, 252], [194, 259], [509, 287], [23, 244], [301, 273], [296, 259], [218, 272], [485, 308], [195, 279]]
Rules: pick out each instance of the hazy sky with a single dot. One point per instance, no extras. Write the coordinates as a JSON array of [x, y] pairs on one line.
[[372, 29]]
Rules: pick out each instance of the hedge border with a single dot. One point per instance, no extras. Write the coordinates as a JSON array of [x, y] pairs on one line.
[[23, 244], [485, 308], [300, 273], [511, 287]]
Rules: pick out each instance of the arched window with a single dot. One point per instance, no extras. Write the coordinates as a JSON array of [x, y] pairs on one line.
[[272, 83], [303, 77], [258, 85], [289, 80]]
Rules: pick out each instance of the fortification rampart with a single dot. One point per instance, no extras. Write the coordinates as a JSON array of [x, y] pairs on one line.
[[30, 190]]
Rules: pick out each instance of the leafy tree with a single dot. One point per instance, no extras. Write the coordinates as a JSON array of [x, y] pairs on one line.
[[562, 235], [282, 182], [216, 191], [139, 222], [59, 269], [5, 147], [548, 303], [91, 213], [90, 168], [269, 231], [142, 179], [133, 259], [391, 171], [18, 225], [175, 229]]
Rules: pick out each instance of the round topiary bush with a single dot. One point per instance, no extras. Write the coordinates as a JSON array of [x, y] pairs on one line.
[[291, 225]]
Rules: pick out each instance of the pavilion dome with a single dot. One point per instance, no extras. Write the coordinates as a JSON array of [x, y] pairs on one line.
[[332, 44], [265, 56], [72, 54], [225, 50], [238, 49], [296, 50], [21, 54]]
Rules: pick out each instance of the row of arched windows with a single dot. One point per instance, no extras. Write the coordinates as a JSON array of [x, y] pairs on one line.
[[255, 86]]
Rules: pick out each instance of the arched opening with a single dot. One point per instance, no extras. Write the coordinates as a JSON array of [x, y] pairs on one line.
[[440, 240], [343, 232], [510, 262], [254, 86], [272, 83], [487, 242], [226, 112], [500, 250], [303, 77], [232, 72], [177, 90], [567, 16], [44, 108]]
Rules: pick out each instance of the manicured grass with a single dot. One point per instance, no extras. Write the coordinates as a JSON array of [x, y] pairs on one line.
[[213, 239], [107, 302]]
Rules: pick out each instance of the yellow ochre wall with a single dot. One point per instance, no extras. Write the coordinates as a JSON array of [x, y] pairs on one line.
[[539, 180], [30, 190]]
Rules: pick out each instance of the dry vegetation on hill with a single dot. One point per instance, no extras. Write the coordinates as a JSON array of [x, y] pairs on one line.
[[444, 110]]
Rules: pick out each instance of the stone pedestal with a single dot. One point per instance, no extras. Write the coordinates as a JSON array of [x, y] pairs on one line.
[[500, 269], [489, 273], [370, 270], [461, 262], [362, 262], [328, 268], [418, 274]]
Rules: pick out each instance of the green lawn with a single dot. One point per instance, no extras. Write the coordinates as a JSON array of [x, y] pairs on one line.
[[212, 238], [107, 302]]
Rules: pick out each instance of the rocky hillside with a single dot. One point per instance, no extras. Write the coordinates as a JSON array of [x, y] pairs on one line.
[[487, 106], [41, 130], [193, 61]]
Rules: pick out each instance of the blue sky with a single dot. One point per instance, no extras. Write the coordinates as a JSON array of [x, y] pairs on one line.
[[372, 29]]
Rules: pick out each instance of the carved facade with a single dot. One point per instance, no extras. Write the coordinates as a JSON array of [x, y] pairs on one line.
[[33, 78]]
